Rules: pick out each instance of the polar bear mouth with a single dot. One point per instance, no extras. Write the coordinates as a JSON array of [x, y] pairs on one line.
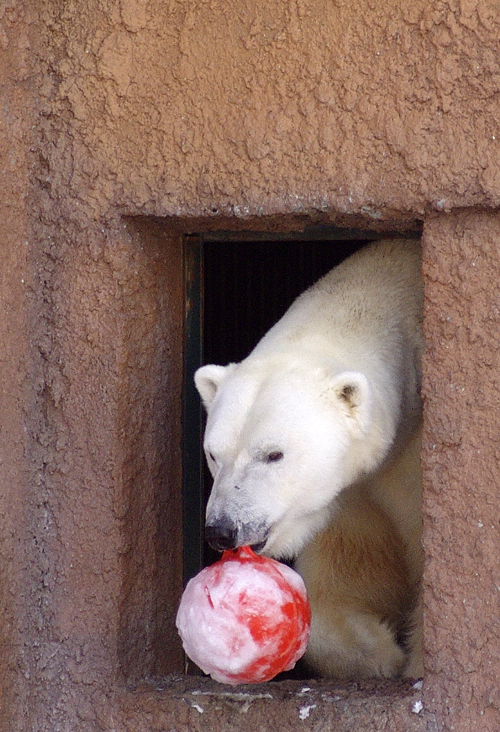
[[259, 546], [223, 534]]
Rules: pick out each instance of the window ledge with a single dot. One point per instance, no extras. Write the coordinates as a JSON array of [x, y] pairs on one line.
[[190, 703]]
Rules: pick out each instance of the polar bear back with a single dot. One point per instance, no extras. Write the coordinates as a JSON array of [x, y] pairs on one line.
[[374, 296], [364, 315]]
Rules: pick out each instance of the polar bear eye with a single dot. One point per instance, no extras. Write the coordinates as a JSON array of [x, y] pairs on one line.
[[274, 456]]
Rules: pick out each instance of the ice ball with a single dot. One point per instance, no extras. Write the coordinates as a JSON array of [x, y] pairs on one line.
[[244, 619]]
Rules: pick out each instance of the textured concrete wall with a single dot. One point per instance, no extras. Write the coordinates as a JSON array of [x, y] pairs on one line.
[[462, 398], [182, 108], [16, 392], [224, 115]]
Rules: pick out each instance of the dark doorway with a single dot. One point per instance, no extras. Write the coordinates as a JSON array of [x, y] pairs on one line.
[[249, 285]]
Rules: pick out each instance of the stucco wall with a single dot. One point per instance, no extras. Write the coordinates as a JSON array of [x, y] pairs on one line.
[[462, 400], [15, 392], [225, 115], [181, 108]]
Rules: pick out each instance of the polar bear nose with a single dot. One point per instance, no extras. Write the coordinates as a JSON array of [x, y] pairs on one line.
[[221, 535]]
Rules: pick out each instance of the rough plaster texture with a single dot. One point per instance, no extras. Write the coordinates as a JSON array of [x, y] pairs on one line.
[[462, 397], [237, 108], [225, 115]]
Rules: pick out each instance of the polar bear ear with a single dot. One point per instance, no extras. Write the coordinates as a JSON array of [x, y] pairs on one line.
[[353, 395], [208, 379]]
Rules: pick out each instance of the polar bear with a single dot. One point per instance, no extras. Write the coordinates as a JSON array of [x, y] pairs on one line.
[[313, 442]]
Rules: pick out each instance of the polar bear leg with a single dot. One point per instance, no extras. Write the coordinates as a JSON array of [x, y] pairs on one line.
[[353, 645], [361, 595]]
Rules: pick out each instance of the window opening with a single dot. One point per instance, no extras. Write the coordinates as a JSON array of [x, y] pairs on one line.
[[237, 287]]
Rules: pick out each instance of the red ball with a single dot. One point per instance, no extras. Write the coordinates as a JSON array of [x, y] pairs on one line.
[[244, 619]]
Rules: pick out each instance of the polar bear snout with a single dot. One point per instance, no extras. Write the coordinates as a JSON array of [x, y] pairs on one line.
[[224, 534], [221, 535]]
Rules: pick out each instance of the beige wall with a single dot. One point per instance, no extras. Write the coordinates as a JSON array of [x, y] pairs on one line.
[[234, 115]]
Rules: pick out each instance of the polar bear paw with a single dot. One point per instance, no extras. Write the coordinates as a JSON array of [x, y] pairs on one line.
[[354, 645]]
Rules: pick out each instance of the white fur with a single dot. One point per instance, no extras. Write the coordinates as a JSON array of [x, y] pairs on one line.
[[327, 399]]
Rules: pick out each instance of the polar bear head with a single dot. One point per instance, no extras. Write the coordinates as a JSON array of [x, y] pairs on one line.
[[282, 439]]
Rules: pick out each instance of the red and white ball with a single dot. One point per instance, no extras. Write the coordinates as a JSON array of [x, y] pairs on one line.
[[244, 619]]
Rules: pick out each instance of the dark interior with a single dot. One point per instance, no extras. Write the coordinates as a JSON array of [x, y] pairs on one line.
[[249, 285]]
